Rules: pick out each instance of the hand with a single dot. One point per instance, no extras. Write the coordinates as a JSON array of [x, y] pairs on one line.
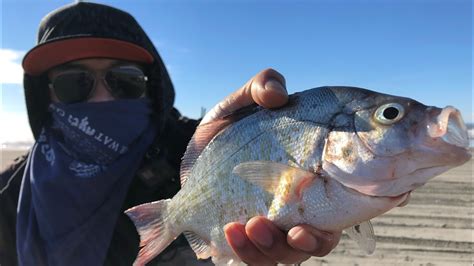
[[267, 89], [260, 241]]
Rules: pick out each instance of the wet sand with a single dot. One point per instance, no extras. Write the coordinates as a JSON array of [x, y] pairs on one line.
[[435, 228]]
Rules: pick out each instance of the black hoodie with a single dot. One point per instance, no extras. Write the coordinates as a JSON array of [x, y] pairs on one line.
[[158, 177]]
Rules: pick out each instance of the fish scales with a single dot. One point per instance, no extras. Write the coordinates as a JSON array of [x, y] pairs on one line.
[[320, 160], [286, 138], [228, 199]]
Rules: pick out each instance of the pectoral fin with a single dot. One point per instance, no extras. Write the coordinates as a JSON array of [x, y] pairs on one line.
[[284, 182], [363, 235], [275, 177]]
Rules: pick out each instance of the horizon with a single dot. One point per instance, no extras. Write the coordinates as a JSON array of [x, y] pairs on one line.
[[26, 144], [417, 49]]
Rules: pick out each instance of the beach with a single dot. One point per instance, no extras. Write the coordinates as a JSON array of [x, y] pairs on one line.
[[435, 228], [8, 155]]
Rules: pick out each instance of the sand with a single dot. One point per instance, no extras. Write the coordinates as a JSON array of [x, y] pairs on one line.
[[8, 155], [435, 228]]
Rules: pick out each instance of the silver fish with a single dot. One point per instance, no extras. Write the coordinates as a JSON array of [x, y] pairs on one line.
[[333, 157]]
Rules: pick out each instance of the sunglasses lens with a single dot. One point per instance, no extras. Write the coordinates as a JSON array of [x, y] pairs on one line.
[[126, 82], [73, 87]]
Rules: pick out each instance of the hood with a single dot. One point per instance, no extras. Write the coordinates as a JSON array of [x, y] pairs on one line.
[[85, 30]]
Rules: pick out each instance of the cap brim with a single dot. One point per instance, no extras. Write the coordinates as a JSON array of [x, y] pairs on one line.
[[54, 53]]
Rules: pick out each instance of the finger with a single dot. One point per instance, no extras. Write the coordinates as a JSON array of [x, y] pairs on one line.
[[312, 241], [267, 89], [271, 241], [243, 247]]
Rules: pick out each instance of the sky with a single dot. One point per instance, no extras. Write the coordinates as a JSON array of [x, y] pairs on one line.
[[412, 48]]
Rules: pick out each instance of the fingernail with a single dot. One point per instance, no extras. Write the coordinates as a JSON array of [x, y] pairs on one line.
[[309, 242], [236, 237], [263, 235], [273, 84]]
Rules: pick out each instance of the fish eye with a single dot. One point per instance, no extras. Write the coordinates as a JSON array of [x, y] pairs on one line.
[[389, 113]]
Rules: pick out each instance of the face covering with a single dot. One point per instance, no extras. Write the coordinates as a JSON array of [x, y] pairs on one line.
[[76, 180]]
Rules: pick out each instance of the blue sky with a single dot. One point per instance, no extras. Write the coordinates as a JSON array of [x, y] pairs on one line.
[[418, 49]]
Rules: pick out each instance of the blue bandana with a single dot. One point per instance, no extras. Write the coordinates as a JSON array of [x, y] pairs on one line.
[[76, 180]]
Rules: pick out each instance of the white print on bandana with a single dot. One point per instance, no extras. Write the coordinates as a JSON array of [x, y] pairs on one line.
[[46, 150], [83, 125], [84, 170]]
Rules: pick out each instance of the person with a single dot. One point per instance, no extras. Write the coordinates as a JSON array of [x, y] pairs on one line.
[[100, 105]]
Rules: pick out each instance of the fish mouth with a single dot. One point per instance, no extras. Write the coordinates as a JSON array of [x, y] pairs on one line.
[[449, 126], [447, 134]]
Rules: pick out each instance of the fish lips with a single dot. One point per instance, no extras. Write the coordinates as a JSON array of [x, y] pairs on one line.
[[447, 124], [446, 134]]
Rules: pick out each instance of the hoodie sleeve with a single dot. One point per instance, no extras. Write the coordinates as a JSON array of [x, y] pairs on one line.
[[10, 182]]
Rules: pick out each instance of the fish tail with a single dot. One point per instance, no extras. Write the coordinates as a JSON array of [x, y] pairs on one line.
[[154, 231]]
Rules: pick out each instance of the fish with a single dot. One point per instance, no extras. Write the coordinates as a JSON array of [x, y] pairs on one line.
[[334, 157]]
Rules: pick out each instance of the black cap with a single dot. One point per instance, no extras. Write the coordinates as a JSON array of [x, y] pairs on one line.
[[85, 30]]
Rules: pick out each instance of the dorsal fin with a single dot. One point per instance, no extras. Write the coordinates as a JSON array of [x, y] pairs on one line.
[[202, 136], [205, 133]]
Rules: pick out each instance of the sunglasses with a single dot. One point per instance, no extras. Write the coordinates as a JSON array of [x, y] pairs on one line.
[[77, 85]]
